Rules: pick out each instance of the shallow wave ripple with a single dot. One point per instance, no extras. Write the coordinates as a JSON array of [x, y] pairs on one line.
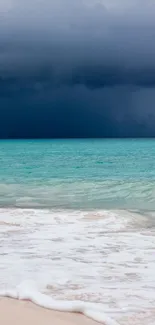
[[125, 194], [85, 261]]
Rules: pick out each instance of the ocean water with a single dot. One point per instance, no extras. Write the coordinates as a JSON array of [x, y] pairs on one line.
[[77, 222]]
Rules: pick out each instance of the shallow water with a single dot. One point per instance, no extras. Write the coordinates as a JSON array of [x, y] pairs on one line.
[[78, 174], [101, 256], [85, 233]]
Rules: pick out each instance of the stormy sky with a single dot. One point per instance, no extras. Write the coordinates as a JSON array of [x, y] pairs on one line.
[[77, 68]]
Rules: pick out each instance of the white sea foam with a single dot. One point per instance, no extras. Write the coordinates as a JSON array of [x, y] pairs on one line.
[[81, 260], [28, 291]]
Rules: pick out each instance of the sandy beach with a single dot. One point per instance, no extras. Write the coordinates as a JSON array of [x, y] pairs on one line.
[[24, 312]]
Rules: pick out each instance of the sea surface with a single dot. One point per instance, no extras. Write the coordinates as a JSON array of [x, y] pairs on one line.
[[77, 218]]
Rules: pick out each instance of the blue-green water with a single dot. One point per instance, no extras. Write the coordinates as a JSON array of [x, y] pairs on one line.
[[78, 218], [78, 174]]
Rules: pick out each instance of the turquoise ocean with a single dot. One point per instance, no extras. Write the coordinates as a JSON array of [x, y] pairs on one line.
[[78, 174], [77, 217]]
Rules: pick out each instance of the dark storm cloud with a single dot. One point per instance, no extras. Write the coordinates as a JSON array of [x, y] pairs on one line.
[[77, 68]]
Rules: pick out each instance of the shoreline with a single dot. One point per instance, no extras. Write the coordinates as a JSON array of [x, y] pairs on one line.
[[18, 312]]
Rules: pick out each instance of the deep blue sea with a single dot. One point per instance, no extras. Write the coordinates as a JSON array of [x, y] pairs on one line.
[[77, 222]]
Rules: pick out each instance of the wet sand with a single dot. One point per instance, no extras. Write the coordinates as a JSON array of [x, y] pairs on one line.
[[24, 312]]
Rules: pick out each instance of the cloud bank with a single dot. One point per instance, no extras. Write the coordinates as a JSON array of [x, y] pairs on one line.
[[77, 68]]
